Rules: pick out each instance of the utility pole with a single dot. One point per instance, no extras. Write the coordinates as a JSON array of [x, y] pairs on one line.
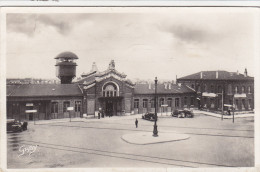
[[155, 131], [222, 104], [233, 108]]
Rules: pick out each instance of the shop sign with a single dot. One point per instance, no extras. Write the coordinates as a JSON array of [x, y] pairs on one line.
[[70, 108], [30, 111], [209, 94]]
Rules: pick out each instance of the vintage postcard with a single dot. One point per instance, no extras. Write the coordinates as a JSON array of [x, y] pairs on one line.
[[148, 88]]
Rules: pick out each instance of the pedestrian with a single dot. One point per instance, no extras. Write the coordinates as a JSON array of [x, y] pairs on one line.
[[136, 123], [229, 111]]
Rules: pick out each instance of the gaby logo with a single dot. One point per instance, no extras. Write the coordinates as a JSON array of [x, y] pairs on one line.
[[27, 149]]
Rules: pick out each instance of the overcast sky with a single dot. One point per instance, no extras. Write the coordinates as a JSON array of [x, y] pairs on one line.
[[143, 45]]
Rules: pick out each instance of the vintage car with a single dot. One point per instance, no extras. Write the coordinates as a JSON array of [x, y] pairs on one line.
[[149, 116], [185, 113], [15, 126]]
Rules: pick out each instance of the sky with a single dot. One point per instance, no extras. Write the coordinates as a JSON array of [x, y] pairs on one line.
[[166, 43]]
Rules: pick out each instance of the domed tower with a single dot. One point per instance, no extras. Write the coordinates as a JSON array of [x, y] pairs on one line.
[[66, 67]]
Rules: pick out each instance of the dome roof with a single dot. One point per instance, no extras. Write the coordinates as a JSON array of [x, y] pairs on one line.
[[67, 55]]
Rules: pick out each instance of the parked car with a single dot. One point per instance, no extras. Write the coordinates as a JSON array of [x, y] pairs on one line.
[[15, 126], [149, 116], [184, 113]]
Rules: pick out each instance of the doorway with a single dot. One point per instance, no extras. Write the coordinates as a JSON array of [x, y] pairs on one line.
[[30, 116], [109, 108]]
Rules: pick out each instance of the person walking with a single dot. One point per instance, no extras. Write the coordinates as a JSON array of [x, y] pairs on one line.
[[136, 123]]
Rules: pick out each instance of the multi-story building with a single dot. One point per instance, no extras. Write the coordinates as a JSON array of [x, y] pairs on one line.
[[108, 91], [221, 89]]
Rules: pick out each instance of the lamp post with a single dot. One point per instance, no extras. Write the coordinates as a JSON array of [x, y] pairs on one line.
[[222, 105], [233, 107], [155, 131]]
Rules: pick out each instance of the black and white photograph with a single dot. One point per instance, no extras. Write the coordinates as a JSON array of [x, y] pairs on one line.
[[130, 87]]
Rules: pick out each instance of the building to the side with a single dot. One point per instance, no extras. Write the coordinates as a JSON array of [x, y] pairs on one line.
[[108, 91], [50, 101], [217, 89]]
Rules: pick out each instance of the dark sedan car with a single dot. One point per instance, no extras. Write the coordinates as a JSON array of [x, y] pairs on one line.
[[186, 113], [149, 116], [15, 126]]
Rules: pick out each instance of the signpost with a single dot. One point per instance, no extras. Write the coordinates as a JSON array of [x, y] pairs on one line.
[[70, 109]]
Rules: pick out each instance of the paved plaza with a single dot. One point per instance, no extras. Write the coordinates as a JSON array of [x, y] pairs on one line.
[[99, 143]]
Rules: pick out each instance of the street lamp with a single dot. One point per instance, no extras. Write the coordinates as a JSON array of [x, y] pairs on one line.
[[155, 131]]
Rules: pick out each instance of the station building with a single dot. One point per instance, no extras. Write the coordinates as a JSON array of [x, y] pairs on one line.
[[221, 89], [107, 91]]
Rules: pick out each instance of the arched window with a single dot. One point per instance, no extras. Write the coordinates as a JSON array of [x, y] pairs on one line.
[[136, 103], [185, 100], [110, 90], [212, 88], [198, 90], [249, 90], [191, 100], [177, 102], [145, 103], [152, 103], [169, 102], [205, 88], [243, 89], [229, 89], [54, 107], [236, 89], [161, 102], [66, 104], [77, 106], [219, 89]]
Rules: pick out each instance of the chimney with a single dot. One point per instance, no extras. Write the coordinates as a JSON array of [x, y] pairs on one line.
[[149, 85], [165, 85], [216, 74], [170, 86], [94, 67], [245, 73], [201, 75], [237, 72], [112, 65]]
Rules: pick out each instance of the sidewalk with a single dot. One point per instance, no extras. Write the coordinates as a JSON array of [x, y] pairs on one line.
[[224, 116], [88, 119], [138, 116]]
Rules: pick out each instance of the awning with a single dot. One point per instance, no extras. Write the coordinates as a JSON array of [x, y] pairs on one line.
[[209, 94], [228, 105], [240, 95]]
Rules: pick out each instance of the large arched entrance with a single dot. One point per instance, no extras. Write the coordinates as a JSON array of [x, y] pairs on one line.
[[111, 101]]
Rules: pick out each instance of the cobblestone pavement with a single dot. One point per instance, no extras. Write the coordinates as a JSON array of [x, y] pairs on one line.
[[212, 143]]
